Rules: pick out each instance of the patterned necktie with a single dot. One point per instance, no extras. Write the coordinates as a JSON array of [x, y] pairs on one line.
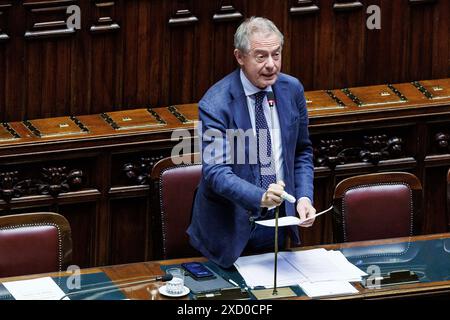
[[264, 144]]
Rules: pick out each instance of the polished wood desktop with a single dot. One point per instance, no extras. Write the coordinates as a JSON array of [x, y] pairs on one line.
[[134, 279]]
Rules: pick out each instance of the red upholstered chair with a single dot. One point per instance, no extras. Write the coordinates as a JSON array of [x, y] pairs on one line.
[[175, 186], [34, 243], [377, 206]]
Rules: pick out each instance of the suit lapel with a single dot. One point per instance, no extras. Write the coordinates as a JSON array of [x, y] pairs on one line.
[[239, 104], [241, 116]]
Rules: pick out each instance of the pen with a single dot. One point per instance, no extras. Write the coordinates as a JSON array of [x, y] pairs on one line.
[[233, 282]]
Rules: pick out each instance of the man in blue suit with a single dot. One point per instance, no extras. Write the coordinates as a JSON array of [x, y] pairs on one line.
[[252, 151]]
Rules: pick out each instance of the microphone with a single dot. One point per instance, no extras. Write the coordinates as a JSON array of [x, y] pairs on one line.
[[270, 98], [164, 278]]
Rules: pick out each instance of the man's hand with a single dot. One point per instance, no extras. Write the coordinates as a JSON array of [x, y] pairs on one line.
[[272, 197], [306, 210]]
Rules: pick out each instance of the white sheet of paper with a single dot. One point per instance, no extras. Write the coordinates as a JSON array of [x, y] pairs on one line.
[[282, 222], [327, 288], [35, 289], [289, 220], [320, 265], [257, 270], [344, 264]]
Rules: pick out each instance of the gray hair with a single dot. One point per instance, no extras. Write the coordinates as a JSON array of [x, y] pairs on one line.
[[252, 26]]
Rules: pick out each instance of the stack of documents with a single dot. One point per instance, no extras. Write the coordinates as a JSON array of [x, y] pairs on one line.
[[319, 272]]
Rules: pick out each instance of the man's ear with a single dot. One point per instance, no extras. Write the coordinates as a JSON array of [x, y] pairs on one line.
[[239, 56]]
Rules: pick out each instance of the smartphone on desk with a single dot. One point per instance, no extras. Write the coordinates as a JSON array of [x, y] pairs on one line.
[[198, 270]]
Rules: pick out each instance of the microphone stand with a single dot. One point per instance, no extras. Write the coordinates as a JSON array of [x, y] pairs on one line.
[[283, 292], [277, 209], [275, 291]]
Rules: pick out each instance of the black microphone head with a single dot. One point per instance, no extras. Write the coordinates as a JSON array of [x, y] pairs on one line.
[[270, 98], [166, 277]]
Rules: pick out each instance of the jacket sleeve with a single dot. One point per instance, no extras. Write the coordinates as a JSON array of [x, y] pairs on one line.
[[303, 161]]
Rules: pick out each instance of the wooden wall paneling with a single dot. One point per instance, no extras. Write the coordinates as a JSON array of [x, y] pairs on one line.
[[324, 64], [303, 40], [420, 40], [205, 43], [107, 56], [127, 54], [81, 64], [441, 48], [130, 25], [130, 227], [4, 21], [183, 43], [81, 217], [48, 55], [277, 11], [378, 54], [226, 17], [393, 43], [350, 28], [4, 37], [152, 52], [62, 78]]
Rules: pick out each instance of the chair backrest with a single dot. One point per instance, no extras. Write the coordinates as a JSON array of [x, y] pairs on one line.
[[377, 206], [34, 243], [176, 185]]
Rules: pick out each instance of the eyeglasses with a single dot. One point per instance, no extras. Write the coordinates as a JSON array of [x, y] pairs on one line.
[[263, 57]]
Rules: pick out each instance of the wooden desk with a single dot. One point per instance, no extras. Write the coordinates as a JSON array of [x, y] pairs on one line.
[[419, 245]]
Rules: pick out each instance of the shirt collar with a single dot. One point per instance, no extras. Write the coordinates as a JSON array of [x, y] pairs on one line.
[[249, 88]]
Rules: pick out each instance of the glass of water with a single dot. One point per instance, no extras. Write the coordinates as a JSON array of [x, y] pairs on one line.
[[176, 285]]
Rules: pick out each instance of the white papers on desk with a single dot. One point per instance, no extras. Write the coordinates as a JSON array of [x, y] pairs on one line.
[[328, 288], [257, 270], [35, 289], [322, 265], [304, 268]]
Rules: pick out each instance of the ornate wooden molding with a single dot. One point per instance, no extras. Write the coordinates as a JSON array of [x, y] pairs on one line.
[[421, 1], [54, 181], [374, 148], [183, 17], [45, 28], [301, 7], [342, 5], [227, 13], [442, 141], [105, 22], [139, 172], [7, 182]]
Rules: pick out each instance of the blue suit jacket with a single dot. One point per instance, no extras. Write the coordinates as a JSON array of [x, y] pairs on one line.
[[229, 197]]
